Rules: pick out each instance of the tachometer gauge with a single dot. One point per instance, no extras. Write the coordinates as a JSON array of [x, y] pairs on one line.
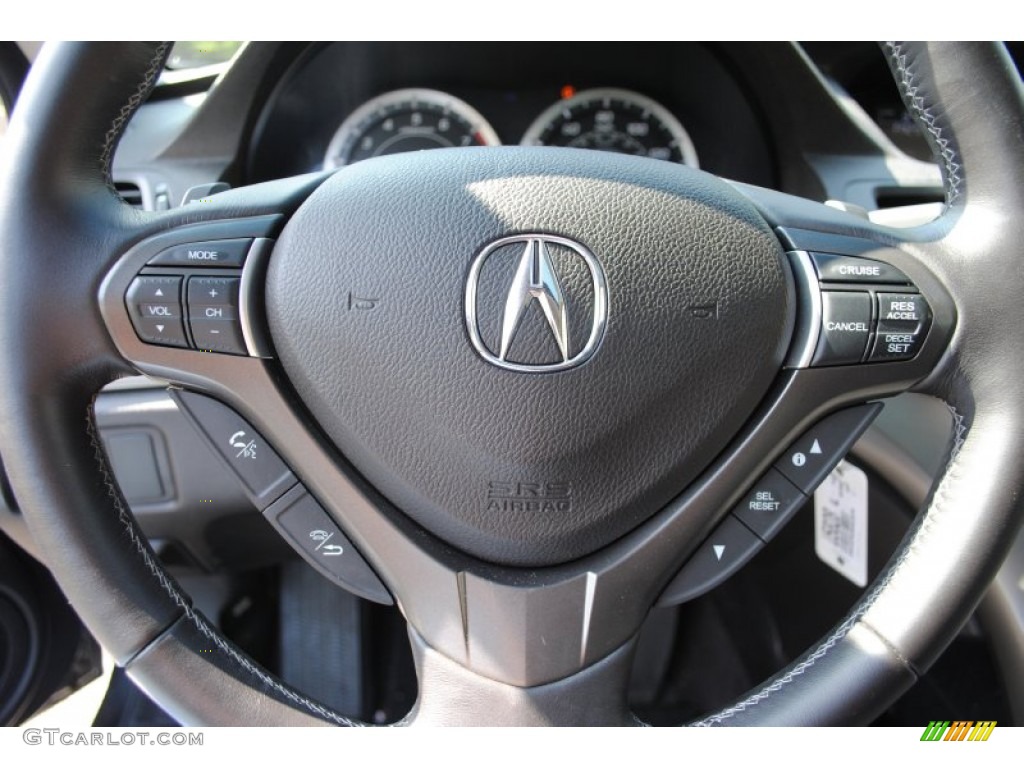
[[405, 121], [614, 120]]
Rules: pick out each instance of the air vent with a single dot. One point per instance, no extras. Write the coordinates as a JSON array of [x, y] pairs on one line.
[[129, 192]]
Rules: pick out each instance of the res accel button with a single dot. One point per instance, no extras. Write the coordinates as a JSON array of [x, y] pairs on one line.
[[845, 327], [902, 311]]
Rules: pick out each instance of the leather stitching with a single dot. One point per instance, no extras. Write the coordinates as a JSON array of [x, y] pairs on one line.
[[777, 685], [907, 82], [120, 120], [843, 629], [142, 549]]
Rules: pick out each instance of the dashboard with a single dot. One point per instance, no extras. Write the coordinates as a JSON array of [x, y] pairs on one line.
[[341, 103]]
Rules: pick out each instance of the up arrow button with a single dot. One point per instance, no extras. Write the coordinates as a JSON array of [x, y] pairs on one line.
[[808, 461]]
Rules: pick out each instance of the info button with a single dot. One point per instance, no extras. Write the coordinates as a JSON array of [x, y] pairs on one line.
[[845, 327]]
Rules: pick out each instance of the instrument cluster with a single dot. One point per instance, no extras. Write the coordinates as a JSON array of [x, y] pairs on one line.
[[605, 119]]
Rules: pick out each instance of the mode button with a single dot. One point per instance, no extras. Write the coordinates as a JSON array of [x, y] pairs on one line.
[[212, 253]]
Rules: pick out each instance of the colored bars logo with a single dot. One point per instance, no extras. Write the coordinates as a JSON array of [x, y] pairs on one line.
[[958, 730]]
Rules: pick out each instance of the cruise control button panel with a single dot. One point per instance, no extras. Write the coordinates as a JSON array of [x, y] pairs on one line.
[[190, 296], [865, 311], [309, 529], [262, 472]]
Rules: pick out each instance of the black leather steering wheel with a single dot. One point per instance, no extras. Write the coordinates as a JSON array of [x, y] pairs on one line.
[[496, 621]]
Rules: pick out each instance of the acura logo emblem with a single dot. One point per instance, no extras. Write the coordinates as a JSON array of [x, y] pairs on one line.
[[536, 279]]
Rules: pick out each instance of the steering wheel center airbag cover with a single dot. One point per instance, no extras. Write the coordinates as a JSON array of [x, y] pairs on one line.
[[536, 463]]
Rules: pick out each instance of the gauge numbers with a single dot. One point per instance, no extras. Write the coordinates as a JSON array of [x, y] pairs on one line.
[[613, 120], [406, 121]]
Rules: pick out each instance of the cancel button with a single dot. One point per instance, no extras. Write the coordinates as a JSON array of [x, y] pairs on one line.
[[845, 327]]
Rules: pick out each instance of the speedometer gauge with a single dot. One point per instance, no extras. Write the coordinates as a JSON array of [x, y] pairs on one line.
[[405, 121], [614, 120]]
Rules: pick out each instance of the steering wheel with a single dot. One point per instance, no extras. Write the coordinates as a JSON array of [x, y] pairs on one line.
[[523, 470]]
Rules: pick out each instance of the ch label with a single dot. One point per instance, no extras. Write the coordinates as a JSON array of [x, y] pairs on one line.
[[246, 447]]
